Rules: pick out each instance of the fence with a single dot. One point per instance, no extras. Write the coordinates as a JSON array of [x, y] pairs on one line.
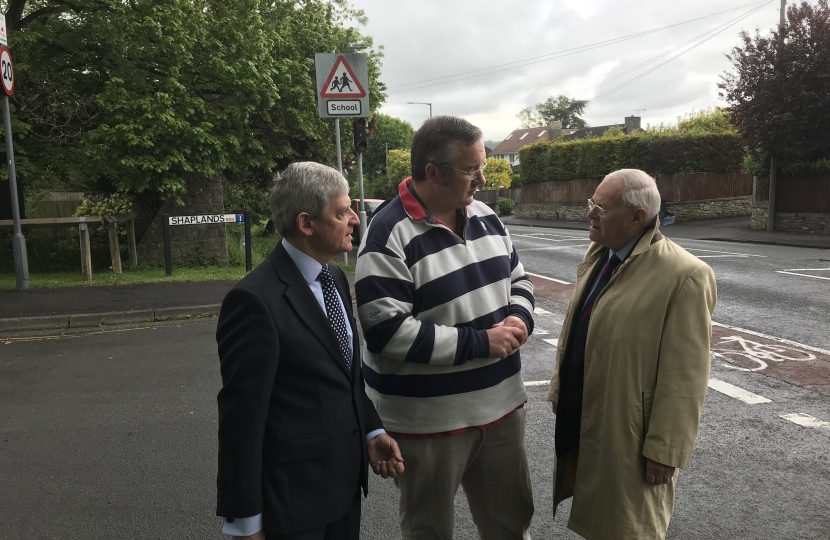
[[809, 194]]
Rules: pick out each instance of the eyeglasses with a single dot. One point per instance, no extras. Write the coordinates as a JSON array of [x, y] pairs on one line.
[[472, 174], [600, 210]]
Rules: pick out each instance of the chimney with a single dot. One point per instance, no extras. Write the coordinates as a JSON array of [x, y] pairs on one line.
[[555, 129], [632, 123]]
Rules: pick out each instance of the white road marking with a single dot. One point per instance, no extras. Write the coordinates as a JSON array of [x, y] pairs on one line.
[[540, 332], [542, 236], [537, 383], [553, 342], [548, 278], [540, 311], [554, 248], [738, 393], [796, 272], [806, 420], [726, 252], [773, 338]]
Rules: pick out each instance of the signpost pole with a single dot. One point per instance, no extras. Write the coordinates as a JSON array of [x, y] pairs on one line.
[[21, 262], [362, 201], [337, 143], [249, 265], [168, 250]]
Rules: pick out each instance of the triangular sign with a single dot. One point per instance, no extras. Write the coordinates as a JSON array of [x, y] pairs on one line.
[[341, 82]]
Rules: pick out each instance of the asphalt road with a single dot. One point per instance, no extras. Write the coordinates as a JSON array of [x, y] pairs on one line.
[[114, 435]]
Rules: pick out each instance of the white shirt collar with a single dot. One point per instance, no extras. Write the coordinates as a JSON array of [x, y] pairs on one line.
[[308, 266]]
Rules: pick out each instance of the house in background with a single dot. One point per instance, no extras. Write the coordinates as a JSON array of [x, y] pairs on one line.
[[509, 148], [632, 123]]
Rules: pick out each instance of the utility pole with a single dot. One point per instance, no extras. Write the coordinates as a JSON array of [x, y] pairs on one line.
[[773, 162]]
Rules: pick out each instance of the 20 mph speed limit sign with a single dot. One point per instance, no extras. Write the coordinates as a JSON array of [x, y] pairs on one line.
[[6, 70]]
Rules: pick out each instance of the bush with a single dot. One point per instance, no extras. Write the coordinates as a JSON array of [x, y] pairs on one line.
[[506, 206], [594, 158], [114, 205]]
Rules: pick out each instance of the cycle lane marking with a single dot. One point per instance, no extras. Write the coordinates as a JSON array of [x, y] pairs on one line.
[[797, 272], [806, 420]]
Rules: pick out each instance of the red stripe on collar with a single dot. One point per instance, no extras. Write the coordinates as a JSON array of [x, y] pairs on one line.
[[410, 203]]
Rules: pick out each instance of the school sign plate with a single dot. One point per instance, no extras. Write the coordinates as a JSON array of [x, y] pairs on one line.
[[342, 85]]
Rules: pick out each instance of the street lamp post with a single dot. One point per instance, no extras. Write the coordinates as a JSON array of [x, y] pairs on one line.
[[421, 103]]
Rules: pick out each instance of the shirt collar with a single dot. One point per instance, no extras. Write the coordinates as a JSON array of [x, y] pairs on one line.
[[415, 207], [625, 251], [309, 267]]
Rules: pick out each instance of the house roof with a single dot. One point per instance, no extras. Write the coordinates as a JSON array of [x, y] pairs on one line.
[[596, 131], [520, 138]]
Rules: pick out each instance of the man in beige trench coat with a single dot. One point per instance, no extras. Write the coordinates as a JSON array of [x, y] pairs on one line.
[[632, 367]]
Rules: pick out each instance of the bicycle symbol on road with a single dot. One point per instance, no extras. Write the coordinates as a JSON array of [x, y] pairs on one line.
[[755, 355]]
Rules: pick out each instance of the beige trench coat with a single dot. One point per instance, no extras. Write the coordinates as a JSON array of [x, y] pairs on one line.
[[646, 373]]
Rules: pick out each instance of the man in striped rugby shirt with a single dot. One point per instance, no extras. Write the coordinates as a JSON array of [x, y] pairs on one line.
[[445, 305]]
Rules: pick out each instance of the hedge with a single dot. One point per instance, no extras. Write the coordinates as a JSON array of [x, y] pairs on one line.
[[594, 158]]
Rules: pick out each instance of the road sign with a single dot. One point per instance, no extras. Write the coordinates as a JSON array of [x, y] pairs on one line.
[[342, 80], [206, 219], [3, 38], [6, 70]]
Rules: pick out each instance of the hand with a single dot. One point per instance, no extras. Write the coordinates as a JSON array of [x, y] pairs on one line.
[[504, 340], [515, 322], [256, 536], [657, 473], [385, 456]]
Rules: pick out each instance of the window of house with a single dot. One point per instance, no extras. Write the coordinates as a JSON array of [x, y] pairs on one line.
[[541, 133], [523, 136], [508, 137]]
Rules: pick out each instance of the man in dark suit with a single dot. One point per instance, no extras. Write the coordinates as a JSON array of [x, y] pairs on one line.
[[294, 418]]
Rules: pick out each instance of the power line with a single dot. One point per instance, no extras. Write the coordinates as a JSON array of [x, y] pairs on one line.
[[550, 56], [665, 53], [652, 70]]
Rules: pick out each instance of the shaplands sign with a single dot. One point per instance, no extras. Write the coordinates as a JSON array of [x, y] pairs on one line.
[[206, 219]]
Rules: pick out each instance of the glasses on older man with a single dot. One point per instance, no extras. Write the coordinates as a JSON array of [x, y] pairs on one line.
[[472, 174], [600, 210]]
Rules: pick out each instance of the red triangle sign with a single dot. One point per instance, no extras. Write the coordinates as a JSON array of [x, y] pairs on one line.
[[341, 82]]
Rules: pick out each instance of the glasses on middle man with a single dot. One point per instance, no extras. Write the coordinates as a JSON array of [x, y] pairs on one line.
[[472, 174]]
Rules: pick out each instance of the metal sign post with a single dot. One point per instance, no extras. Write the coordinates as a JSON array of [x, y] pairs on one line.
[[21, 262], [362, 214]]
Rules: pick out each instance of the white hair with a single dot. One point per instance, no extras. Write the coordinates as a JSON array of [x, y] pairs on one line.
[[639, 191], [304, 187]]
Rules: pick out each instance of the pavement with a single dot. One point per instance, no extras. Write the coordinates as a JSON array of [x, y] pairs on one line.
[[62, 309]]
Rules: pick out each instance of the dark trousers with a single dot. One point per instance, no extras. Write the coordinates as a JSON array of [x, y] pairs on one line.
[[345, 528]]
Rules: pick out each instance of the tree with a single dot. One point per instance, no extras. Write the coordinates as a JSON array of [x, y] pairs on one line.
[[498, 174], [389, 130], [136, 96], [400, 167], [779, 92], [560, 108]]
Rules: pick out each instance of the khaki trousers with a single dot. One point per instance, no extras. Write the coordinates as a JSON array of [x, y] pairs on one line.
[[490, 464]]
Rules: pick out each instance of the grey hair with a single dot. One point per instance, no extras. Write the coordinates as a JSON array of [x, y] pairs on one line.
[[639, 191], [304, 187], [435, 142]]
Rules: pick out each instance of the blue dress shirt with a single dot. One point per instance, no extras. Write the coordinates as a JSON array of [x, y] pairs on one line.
[[622, 254], [310, 269]]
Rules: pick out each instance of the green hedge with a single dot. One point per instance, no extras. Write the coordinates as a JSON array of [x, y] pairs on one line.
[[594, 158]]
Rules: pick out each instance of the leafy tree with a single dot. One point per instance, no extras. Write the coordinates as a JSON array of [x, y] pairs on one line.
[[137, 96], [779, 92], [498, 174], [491, 144], [715, 121], [561, 108], [400, 167], [614, 131], [389, 130]]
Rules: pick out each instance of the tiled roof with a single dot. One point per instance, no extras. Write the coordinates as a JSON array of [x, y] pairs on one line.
[[521, 138], [596, 131]]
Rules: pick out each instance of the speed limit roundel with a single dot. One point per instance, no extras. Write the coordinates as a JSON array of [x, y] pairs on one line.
[[6, 70]]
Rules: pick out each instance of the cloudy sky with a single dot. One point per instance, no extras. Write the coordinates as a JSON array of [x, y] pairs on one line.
[[442, 41]]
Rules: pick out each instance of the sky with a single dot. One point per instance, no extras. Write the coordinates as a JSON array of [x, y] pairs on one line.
[[425, 40]]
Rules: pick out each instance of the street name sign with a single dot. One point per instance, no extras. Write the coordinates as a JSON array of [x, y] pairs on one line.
[[342, 80], [206, 219], [7, 70]]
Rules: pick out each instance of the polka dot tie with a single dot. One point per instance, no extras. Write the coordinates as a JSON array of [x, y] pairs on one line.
[[335, 313]]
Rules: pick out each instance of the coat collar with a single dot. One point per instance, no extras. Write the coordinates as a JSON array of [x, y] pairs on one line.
[[649, 238], [300, 297]]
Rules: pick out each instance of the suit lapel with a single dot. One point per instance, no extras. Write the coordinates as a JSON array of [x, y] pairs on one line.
[[306, 306]]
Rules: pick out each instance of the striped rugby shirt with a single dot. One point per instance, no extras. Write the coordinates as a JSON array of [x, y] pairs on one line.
[[425, 299]]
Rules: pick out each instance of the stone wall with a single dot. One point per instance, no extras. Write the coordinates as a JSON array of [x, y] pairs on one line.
[[567, 212], [710, 209], [791, 221], [759, 216], [683, 211], [191, 244]]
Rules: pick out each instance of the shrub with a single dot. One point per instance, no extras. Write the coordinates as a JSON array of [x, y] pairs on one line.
[[506, 206]]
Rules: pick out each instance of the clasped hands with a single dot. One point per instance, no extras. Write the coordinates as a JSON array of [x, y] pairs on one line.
[[506, 337]]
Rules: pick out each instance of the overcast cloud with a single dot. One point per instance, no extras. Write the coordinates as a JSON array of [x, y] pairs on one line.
[[426, 39]]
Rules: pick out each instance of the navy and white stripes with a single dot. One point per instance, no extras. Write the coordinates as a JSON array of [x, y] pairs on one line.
[[425, 300]]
